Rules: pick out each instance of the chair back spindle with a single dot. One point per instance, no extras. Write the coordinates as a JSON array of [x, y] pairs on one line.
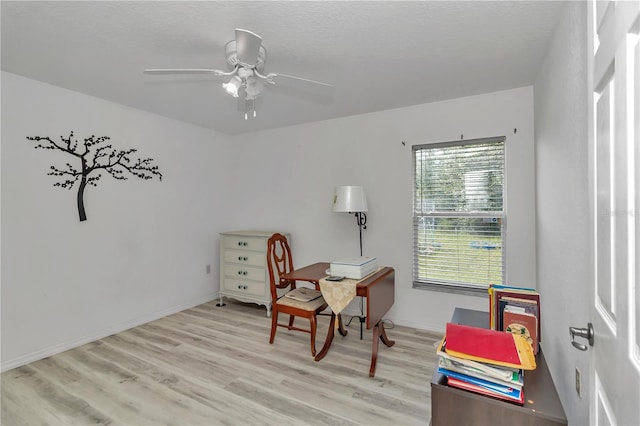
[[279, 262]]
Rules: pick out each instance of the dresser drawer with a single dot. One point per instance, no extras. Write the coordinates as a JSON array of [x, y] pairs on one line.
[[243, 267], [244, 272], [245, 243], [245, 257], [253, 288]]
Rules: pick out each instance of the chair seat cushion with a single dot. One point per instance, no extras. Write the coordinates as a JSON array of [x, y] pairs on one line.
[[307, 306]]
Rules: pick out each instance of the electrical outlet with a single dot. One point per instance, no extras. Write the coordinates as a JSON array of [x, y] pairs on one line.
[[208, 269], [579, 382]]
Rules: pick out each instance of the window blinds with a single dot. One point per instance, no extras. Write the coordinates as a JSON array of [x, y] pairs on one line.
[[458, 214]]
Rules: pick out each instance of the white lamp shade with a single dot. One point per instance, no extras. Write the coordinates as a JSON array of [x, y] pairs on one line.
[[349, 199]]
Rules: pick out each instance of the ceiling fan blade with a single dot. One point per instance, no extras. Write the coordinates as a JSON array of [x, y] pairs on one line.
[[247, 46], [271, 76], [184, 71]]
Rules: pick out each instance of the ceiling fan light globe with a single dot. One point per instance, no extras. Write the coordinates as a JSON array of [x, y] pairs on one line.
[[232, 86], [230, 89], [253, 87]]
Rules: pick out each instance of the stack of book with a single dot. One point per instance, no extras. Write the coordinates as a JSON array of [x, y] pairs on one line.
[[485, 361], [516, 310]]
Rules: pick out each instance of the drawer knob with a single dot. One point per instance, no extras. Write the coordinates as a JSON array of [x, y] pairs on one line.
[[245, 258], [239, 257], [244, 287], [244, 272], [244, 243], [239, 286], [239, 272], [240, 243]]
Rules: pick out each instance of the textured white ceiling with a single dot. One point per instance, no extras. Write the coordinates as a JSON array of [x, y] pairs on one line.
[[377, 54]]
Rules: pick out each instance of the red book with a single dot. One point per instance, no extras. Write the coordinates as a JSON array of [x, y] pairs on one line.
[[533, 297], [482, 343], [523, 324]]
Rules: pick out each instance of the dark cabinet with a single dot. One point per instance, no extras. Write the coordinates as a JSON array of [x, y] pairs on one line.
[[452, 406]]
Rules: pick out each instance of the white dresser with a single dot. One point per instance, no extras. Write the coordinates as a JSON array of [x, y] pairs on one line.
[[243, 267]]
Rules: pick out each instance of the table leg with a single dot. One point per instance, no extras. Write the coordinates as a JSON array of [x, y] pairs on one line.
[[383, 336], [329, 339], [378, 333], [341, 329], [374, 350]]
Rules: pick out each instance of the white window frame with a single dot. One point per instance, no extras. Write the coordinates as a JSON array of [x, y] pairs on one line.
[[422, 213]]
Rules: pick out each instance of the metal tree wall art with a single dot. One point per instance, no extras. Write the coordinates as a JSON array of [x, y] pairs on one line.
[[94, 155]]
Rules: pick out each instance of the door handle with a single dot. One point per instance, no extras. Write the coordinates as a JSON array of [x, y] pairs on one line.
[[585, 333]]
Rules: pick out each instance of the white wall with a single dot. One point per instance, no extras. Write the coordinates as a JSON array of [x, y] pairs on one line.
[[143, 251], [286, 176], [562, 204]]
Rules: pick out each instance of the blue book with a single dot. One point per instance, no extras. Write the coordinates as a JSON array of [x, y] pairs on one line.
[[507, 391], [509, 287]]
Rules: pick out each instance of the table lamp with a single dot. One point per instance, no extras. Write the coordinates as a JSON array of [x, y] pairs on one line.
[[352, 199]]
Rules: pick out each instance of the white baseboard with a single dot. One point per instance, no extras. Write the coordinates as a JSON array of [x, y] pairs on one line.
[[419, 325], [61, 347]]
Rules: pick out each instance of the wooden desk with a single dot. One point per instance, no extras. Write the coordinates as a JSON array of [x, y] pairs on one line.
[[453, 406], [378, 289]]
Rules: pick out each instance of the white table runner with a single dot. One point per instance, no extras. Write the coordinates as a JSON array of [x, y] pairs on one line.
[[338, 294]]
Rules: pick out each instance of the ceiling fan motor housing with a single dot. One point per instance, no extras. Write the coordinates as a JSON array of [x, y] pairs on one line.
[[232, 57]]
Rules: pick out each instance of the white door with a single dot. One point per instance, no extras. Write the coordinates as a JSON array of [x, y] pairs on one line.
[[614, 118]]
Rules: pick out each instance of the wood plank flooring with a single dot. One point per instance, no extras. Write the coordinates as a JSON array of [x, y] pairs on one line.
[[214, 366]]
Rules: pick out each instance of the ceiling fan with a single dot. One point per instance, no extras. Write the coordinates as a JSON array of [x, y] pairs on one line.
[[246, 58]]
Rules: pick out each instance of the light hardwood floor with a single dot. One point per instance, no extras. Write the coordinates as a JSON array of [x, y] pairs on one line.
[[214, 366]]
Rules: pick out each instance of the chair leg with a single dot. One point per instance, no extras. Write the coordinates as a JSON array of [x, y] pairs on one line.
[[274, 325], [291, 318], [313, 325]]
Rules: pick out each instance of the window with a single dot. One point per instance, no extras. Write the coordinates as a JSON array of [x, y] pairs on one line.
[[458, 215]]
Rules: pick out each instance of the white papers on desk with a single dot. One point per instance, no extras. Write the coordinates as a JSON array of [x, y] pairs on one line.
[[355, 267]]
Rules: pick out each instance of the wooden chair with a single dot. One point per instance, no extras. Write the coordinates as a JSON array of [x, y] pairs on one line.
[[279, 262]]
